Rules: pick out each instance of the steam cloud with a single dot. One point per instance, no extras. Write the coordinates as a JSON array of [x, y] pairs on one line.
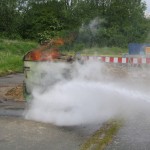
[[75, 94]]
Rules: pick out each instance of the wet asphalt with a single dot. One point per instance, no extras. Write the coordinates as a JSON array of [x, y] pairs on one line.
[[135, 135], [19, 134], [16, 133], [11, 80]]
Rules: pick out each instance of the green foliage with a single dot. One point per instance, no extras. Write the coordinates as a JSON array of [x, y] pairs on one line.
[[46, 36], [9, 19], [44, 20], [76, 47], [123, 21]]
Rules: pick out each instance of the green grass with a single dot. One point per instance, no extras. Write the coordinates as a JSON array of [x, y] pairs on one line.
[[105, 51], [102, 137], [12, 52], [110, 51], [11, 55]]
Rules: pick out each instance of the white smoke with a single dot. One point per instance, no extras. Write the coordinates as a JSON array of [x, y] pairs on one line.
[[75, 94]]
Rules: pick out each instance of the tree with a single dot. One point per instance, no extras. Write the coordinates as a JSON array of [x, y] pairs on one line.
[[9, 17], [48, 17], [124, 20], [121, 21]]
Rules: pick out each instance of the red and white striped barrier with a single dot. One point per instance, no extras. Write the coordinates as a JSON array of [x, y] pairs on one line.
[[130, 60], [121, 60]]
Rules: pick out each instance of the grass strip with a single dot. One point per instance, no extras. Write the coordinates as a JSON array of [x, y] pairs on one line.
[[102, 137], [11, 55], [99, 51]]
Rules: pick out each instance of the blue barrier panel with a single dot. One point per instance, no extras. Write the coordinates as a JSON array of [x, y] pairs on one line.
[[137, 49]]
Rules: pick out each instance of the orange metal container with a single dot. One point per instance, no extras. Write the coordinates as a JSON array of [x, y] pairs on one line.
[[147, 51]]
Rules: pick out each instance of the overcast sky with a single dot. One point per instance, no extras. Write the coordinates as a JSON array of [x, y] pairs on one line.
[[148, 5]]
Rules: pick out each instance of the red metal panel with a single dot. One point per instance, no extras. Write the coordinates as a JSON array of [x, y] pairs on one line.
[[130, 61], [103, 59], [148, 60], [119, 59], [139, 60], [111, 59]]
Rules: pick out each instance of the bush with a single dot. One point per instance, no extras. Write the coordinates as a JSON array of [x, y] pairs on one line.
[[46, 36]]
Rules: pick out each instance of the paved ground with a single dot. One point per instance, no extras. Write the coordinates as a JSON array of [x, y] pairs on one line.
[[11, 80], [16, 133], [135, 134], [12, 83], [10, 106], [19, 134]]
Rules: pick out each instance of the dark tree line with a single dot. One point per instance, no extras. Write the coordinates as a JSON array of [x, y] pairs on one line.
[[117, 22]]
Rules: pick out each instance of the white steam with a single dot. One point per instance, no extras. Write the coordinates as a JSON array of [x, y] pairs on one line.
[[75, 94]]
